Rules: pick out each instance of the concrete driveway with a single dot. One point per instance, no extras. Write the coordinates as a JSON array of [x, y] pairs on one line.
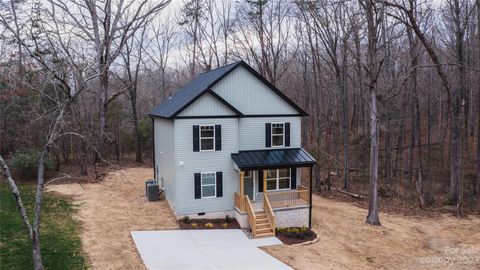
[[204, 249]]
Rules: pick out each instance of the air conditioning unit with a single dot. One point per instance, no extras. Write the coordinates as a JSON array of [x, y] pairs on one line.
[[152, 190]]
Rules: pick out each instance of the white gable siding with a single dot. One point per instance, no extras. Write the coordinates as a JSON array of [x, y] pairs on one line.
[[165, 156], [251, 131], [249, 95], [206, 105], [210, 161]]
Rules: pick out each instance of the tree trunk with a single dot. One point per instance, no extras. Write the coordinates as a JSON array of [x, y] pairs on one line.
[[456, 116], [372, 65], [136, 130], [477, 184], [372, 217], [345, 115], [37, 255]]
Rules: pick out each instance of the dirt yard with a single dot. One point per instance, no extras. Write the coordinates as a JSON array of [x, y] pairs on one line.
[[400, 243], [109, 210]]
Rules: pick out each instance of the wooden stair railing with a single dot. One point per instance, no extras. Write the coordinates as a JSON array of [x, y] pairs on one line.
[[269, 211], [252, 219]]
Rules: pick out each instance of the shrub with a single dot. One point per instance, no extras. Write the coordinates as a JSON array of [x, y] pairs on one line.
[[209, 225], [228, 219], [225, 225], [186, 220], [194, 225], [25, 163]]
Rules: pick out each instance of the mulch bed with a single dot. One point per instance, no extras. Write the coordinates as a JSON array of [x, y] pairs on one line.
[[218, 223], [295, 235]]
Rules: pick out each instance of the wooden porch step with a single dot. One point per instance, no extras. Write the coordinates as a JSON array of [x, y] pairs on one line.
[[264, 230], [263, 225], [262, 220], [268, 234], [261, 216]]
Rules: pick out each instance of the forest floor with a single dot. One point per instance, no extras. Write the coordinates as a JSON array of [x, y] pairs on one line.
[[110, 209]]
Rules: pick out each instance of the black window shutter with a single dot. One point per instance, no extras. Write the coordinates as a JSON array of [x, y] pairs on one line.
[[287, 134], [196, 142], [260, 182], [198, 186], [218, 137], [219, 184], [293, 178], [268, 135]]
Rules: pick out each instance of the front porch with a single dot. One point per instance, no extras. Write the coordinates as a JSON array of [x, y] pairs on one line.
[[279, 198]]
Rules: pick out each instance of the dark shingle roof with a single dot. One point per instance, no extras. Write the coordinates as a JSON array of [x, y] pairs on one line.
[[193, 89], [201, 84], [275, 158]]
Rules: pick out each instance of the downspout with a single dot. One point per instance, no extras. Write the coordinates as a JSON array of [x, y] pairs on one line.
[[153, 149], [310, 210]]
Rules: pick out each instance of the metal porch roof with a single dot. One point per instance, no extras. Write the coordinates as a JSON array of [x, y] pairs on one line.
[[273, 158]]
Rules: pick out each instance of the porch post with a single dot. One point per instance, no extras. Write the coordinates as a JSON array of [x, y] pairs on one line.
[[310, 199], [265, 182], [242, 175]]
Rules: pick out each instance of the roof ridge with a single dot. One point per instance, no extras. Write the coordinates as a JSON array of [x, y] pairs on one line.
[[217, 68]]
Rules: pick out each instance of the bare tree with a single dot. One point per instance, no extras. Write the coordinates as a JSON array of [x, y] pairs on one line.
[[477, 184], [133, 57], [262, 34], [373, 69], [106, 28], [163, 39], [455, 96]]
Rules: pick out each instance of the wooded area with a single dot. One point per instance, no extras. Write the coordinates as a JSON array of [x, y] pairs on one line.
[[392, 87]]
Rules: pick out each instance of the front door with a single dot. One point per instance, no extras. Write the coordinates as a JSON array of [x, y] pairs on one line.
[[248, 184]]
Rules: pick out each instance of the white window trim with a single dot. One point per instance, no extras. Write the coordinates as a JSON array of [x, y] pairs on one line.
[[283, 134], [207, 185], [277, 181], [200, 138]]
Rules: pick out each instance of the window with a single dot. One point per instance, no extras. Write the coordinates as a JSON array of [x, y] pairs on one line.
[[247, 174], [209, 183], [278, 134], [207, 138], [278, 179]]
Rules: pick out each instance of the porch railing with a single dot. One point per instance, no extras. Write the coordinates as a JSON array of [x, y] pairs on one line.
[[304, 193], [239, 202], [252, 219], [289, 198], [269, 211]]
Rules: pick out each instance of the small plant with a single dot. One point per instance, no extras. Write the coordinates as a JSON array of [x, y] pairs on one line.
[[228, 219], [194, 225], [293, 230], [225, 225], [186, 220], [209, 225], [303, 229]]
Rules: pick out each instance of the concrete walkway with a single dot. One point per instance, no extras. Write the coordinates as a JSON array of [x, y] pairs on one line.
[[204, 249]]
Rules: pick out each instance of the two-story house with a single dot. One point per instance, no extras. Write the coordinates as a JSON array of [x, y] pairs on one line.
[[229, 143]]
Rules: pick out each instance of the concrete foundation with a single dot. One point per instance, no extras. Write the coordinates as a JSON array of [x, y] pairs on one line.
[[284, 217]]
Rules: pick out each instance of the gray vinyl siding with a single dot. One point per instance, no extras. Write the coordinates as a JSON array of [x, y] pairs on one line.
[[206, 105], [165, 156], [207, 161], [251, 131], [249, 95]]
